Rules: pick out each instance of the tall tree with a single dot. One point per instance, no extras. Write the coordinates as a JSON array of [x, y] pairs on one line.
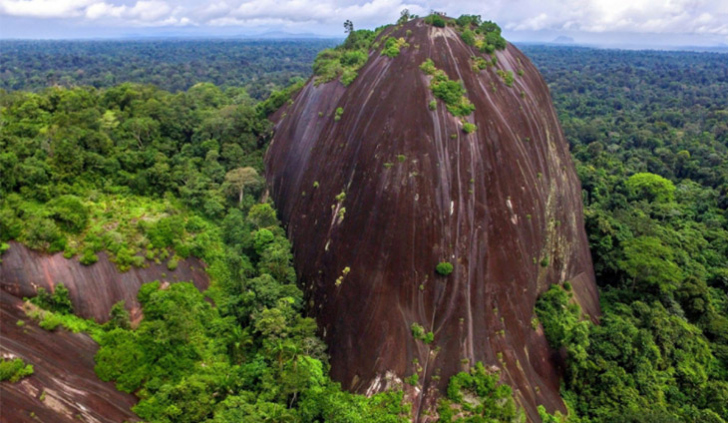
[[348, 26], [240, 178]]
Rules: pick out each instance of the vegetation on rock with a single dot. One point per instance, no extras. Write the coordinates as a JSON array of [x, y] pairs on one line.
[[452, 93], [12, 370], [444, 268]]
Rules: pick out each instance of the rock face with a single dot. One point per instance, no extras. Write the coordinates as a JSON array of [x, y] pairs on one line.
[[64, 387], [502, 204], [93, 289]]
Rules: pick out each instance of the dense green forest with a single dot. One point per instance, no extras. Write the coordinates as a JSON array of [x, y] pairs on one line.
[[260, 66], [648, 132], [145, 174]]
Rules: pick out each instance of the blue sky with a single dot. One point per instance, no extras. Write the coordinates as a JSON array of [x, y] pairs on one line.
[[675, 22]]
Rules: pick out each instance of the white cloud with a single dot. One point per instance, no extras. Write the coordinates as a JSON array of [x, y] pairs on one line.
[[44, 8], [100, 10], [142, 12], [596, 16]]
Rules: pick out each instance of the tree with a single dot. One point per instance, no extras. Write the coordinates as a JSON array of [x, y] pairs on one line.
[[240, 178], [651, 187], [348, 27], [404, 16], [262, 215], [649, 262]]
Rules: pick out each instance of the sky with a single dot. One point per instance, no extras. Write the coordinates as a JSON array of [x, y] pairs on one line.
[[623, 22]]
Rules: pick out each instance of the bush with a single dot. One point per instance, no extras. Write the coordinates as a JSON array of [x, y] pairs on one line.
[[59, 301], [88, 257], [354, 58], [327, 65], [50, 321], [43, 234], [479, 393], [435, 20], [496, 40], [444, 268], [428, 67], [392, 46], [262, 216], [468, 20], [418, 332], [508, 77], [433, 105], [261, 239], [173, 263], [451, 92], [557, 315], [469, 128], [165, 231], [14, 370], [348, 76], [344, 60], [468, 37], [69, 212]]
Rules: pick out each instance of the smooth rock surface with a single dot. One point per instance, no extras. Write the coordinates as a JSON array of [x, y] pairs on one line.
[[418, 191]]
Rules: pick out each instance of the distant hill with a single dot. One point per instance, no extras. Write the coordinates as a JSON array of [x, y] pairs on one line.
[[284, 35], [563, 39]]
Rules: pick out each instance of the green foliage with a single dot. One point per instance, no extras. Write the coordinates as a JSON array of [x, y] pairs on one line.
[[339, 112], [432, 105], [12, 370], [119, 316], [558, 315], [50, 320], [145, 161], [59, 301], [478, 396], [493, 38], [428, 67], [650, 265], [468, 37], [507, 76], [436, 20], [444, 268], [650, 187], [150, 178], [88, 257], [193, 364], [70, 214], [418, 332], [344, 61], [466, 21], [262, 216], [479, 63], [392, 46], [277, 99], [172, 65], [451, 92], [469, 128], [448, 91]]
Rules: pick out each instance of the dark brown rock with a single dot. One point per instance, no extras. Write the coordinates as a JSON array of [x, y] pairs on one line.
[[93, 289], [64, 362], [494, 203], [63, 387]]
